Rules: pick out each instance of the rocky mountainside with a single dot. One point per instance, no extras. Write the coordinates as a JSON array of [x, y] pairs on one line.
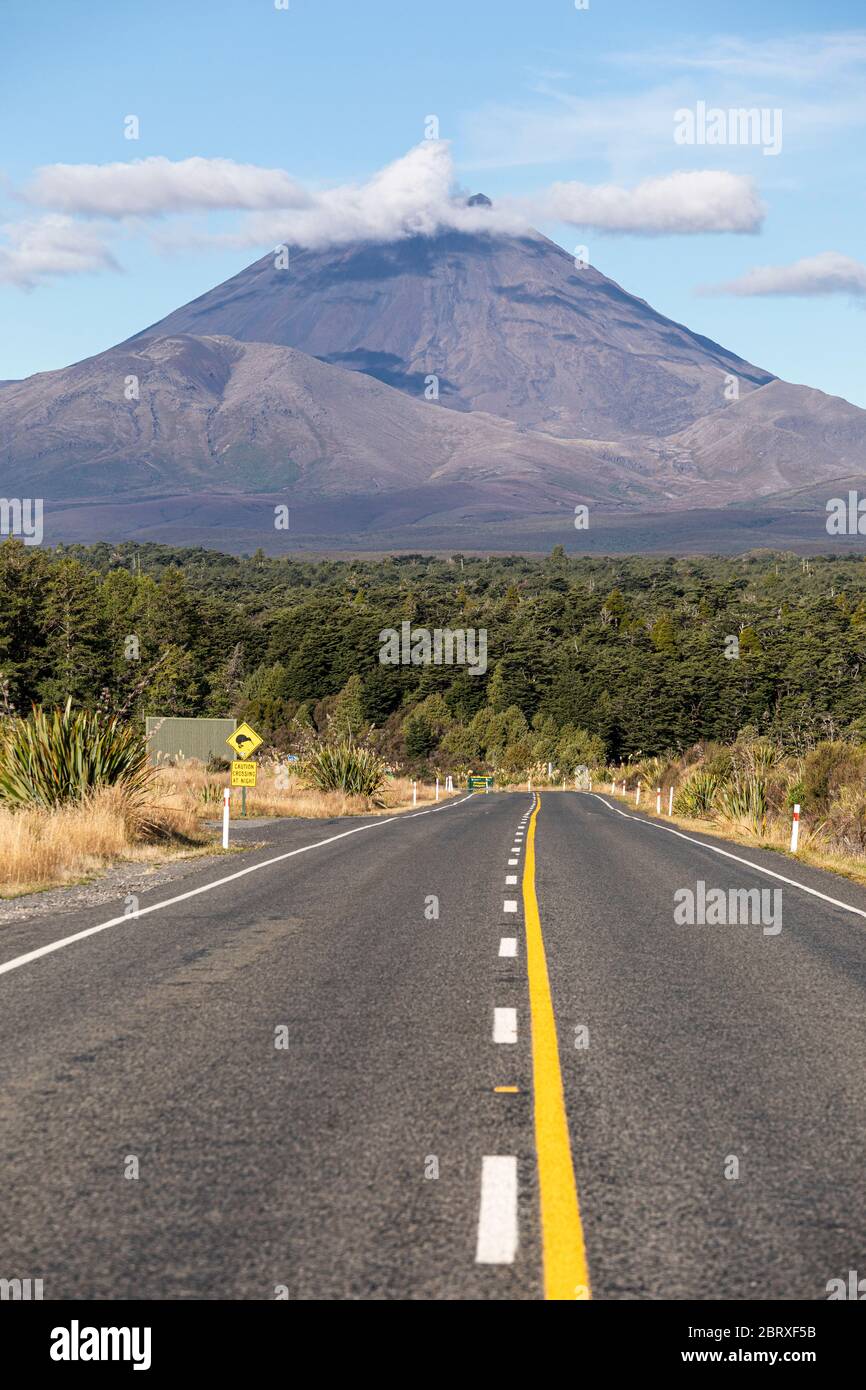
[[434, 387], [508, 325]]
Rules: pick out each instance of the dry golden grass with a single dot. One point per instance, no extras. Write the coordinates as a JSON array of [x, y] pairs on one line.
[[189, 787], [40, 849]]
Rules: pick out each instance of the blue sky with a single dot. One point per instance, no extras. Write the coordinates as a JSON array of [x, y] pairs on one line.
[[553, 111]]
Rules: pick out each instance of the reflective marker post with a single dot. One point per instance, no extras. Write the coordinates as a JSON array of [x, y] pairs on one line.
[[226, 796]]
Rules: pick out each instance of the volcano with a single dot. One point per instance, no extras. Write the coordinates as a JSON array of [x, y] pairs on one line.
[[511, 326], [436, 391]]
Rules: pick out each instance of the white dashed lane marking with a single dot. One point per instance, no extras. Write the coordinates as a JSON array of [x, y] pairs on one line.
[[505, 1025], [510, 905], [508, 946], [497, 1216]]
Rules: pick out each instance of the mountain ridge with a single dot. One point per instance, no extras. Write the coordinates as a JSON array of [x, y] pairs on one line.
[[555, 388]]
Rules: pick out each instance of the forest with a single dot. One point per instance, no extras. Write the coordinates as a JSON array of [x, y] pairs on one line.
[[589, 659]]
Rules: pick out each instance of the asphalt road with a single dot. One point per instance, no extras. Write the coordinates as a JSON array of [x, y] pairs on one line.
[[300, 1064]]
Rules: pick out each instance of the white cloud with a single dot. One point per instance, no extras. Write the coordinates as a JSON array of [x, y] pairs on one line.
[[827, 273], [705, 201], [156, 185], [414, 195], [38, 250]]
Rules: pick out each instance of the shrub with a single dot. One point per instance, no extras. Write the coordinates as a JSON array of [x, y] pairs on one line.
[[56, 756], [345, 767], [651, 772], [697, 797], [745, 799], [718, 761], [419, 735], [845, 822], [756, 757], [829, 767], [578, 747]]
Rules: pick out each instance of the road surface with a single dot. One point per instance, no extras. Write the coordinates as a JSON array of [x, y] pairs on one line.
[[354, 1071]]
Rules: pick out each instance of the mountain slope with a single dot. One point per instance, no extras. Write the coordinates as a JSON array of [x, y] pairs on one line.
[[509, 325], [308, 384], [772, 441], [215, 415]]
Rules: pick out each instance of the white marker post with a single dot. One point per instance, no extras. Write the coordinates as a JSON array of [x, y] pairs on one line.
[[658, 801], [226, 798], [671, 802], [611, 788], [414, 793], [623, 786], [437, 788], [637, 795], [795, 830]]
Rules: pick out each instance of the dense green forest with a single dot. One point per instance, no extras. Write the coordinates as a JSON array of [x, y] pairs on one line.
[[588, 658]]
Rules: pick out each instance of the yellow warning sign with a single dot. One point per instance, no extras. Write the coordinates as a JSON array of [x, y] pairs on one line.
[[244, 772], [244, 740]]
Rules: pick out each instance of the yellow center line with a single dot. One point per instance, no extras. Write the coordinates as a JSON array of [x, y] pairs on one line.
[[566, 1274]]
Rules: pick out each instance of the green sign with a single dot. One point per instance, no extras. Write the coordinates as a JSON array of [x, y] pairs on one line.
[[477, 783]]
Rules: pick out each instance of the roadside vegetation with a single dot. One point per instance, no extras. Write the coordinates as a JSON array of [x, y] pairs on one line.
[[739, 681], [193, 789], [746, 791], [78, 793]]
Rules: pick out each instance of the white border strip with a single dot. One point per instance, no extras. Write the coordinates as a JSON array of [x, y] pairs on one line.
[[759, 868], [58, 945]]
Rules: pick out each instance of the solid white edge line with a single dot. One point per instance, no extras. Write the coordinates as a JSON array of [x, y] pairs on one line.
[[497, 1213], [58, 945], [759, 868]]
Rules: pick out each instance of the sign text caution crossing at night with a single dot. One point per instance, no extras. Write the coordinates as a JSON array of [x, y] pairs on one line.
[[243, 772]]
